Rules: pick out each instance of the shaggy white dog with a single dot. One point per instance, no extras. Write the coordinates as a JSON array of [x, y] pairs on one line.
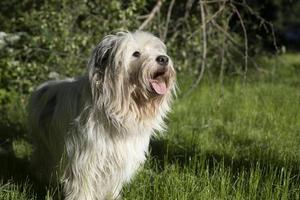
[[92, 133]]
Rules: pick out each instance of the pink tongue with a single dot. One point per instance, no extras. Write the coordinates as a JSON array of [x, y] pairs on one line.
[[159, 87]]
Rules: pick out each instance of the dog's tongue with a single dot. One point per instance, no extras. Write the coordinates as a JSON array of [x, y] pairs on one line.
[[159, 86]]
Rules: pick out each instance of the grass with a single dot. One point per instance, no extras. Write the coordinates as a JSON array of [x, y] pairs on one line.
[[242, 146], [240, 141]]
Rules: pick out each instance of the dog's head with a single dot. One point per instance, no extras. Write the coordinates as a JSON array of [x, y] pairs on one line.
[[131, 68]]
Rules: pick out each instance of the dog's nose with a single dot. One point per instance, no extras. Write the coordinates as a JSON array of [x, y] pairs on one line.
[[162, 60]]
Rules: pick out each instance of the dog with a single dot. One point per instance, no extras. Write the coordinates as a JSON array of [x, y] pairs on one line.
[[92, 133]]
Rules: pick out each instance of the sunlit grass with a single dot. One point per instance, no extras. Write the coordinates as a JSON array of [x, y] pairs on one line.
[[243, 144]]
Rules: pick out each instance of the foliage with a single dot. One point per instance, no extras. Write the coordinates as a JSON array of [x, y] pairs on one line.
[[58, 36]]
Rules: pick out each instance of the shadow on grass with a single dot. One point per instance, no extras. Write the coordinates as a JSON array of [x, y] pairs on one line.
[[15, 168]]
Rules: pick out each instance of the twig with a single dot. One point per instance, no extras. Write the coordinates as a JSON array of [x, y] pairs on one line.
[[188, 7], [155, 9], [262, 20], [142, 17], [245, 38], [214, 1], [204, 48], [222, 65], [215, 15], [168, 20], [235, 48], [211, 19], [226, 33], [204, 45], [181, 21]]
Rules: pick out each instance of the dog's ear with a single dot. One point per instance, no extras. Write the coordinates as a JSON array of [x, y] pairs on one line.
[[102, 55]]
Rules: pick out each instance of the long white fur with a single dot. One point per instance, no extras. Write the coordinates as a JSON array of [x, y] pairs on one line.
[[92, 133]]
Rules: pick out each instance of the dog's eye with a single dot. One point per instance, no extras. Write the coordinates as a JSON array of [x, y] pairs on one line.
[[136, 54]]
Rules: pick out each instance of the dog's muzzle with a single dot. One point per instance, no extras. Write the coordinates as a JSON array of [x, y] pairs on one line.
[[160, 78]]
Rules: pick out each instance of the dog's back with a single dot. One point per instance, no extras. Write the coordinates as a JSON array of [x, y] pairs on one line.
[[50, 113]]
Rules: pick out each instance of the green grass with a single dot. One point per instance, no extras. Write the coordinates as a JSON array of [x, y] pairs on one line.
[[12, 191], [244, 145], [241, 141]]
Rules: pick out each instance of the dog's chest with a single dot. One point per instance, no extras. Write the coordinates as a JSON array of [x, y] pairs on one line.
[[116, 159], [129, 154]]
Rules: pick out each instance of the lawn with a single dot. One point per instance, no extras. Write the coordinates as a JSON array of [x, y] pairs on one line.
[[236, 141]]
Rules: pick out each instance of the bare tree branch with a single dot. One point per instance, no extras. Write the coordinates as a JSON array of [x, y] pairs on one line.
[[220, 28], [245, 39], [204, 44], [263, 22], [222, 65], [204, 48], [188, 7], [155, 9], [168, 20], [140, 17], [214, 1], [216, 14]]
